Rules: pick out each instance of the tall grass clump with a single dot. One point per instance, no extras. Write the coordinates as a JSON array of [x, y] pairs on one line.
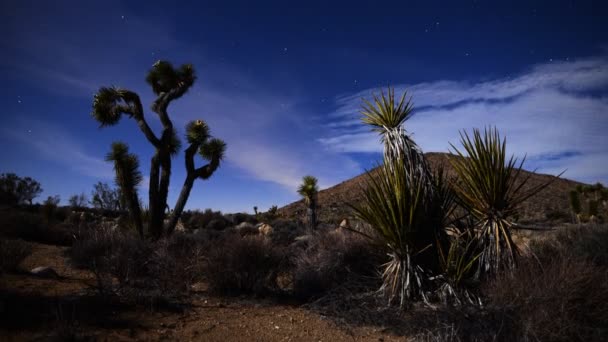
[[491, 187]]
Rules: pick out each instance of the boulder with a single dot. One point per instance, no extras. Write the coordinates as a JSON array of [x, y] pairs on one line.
[[45, 272], [345, 224], [265, 229], [246, 228]]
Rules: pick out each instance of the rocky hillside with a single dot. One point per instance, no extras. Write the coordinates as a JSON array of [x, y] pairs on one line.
[[552, 202]]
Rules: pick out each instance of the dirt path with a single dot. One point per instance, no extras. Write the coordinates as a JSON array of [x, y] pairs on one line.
[[35, 308]]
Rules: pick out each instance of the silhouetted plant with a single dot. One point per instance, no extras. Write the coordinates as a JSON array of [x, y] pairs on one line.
[[105, 198], [15, 190], [78, 201], [308, 190], [491, 188], [168, 84], [128, 178]]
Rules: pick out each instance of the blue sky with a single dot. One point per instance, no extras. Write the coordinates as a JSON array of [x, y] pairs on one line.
[[282, 82]]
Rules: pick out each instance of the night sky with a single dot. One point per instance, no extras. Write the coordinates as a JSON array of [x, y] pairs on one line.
[[282, 82]]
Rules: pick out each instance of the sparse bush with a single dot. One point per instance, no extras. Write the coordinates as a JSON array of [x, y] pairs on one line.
[[166, 267], [589, 242], [331, 259], [247, 264], [12, 252], [32, 227], [564, 299], [219, 223], [284, 231]]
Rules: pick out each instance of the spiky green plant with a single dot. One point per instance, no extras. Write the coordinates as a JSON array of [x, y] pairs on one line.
[[457, 265], [387, 118], [491, 188], [405, 220], [308, 190], [168, 84], [128, 178]]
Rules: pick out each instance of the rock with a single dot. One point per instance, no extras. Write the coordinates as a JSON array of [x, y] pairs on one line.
[[45, 272], [246, 228], [265, 229], [345, 224]]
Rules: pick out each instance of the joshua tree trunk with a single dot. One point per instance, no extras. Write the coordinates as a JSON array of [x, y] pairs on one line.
[[181, 203], [311, 212]]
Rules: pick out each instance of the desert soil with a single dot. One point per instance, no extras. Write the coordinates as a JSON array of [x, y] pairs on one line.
[[33, 308]]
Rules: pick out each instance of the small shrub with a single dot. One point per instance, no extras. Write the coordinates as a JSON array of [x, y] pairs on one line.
[[219, 223], [247, 264], [12, 252], [564, 299], [331, 259], [589, 242], [284, 231]]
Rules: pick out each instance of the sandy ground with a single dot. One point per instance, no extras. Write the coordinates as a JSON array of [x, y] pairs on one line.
[[33, 308]]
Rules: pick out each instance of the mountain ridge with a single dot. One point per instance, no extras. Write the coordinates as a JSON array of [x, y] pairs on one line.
[[333, 201]]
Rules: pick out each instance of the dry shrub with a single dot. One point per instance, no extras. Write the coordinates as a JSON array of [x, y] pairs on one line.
[[12, 252], [330, 259], [589, 242], [165, 268], [30, 226], [565, 299], [284, 231], [248, 264]]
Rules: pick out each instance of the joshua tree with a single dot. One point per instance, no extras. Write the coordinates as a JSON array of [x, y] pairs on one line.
[[168, 84], [128, 178], [491, 188], [308, 189]]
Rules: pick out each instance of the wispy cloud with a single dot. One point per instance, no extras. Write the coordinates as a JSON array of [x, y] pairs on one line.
[[54, 144], [555, 113]]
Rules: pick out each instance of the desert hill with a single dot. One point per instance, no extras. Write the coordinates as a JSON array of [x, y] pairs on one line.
[[332, 202]]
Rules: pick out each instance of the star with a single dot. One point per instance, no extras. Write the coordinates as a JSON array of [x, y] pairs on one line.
[[29, 131], [284, 49], [122, 17], [355, 81]]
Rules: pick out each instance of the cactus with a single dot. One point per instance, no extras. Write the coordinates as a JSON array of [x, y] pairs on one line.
[[168, 84]]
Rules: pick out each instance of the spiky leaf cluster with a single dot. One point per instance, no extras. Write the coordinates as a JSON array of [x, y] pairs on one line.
[[491, 188], [105, 106], [384, 113], [197, 132], [213, 150], [163, 78], [308, 189], [174, 144], [126, 166]]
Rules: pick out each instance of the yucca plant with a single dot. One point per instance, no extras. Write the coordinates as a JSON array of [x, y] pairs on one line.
[[405, 219], [457, 265], [387, 117], [308, 190], [128, 178], [490, 187]]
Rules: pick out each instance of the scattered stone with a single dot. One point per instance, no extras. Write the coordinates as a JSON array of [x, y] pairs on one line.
[[265, 229], [345, 224], [45, 272]]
